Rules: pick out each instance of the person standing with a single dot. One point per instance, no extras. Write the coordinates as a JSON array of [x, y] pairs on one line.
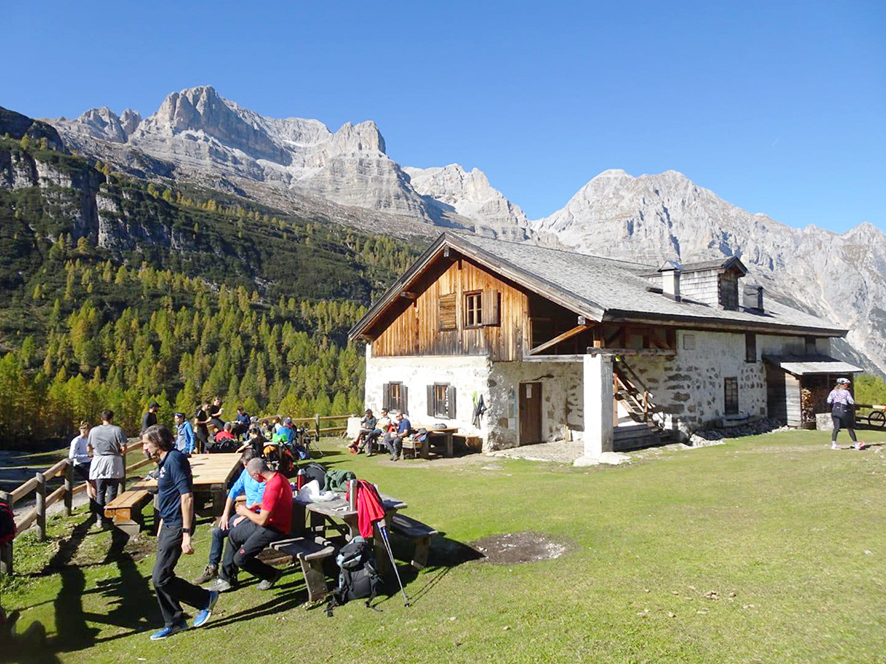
[[79, 456], [149, 419], [843, 412], [184, 434], [241, 425], [107, 444], [201, 428], [250, 536], [175, 506]]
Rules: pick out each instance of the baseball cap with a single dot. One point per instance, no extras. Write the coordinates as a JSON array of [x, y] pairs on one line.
[[287, 421], [153, 404], [181, 415]]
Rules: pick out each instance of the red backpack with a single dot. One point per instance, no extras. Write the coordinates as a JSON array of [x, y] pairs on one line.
[[7, 524]]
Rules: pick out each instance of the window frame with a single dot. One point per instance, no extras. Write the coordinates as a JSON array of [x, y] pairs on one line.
[[750, 347], [731, 401], [475, 296]]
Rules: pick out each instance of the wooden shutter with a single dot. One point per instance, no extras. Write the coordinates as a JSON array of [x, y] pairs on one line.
[[404, 402], [446, 312], [489, 308], [432, 399], [450, 402], [386, 396]]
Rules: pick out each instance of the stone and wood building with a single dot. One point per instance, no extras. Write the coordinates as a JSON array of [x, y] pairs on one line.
[[561, 345]]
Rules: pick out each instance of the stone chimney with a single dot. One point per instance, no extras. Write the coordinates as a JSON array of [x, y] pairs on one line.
[[670, 280], [753, 298]]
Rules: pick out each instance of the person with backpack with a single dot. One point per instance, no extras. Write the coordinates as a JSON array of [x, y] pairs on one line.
[[175, 507], [843, 412], [107, 444], [254, 493], [249, 537]]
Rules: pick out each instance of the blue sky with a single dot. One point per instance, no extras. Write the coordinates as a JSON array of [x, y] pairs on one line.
[[778, 107]]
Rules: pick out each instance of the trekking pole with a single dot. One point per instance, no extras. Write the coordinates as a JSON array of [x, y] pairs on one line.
[[383, 529]]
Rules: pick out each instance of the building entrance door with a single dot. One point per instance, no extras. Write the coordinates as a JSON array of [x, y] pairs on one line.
[[530, 413]]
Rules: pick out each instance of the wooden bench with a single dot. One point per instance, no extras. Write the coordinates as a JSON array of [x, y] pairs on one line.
[[310, 553], [418, 449], [125, 510], [419, 533]]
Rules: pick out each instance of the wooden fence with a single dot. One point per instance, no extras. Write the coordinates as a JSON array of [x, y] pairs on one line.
[[37, 515]]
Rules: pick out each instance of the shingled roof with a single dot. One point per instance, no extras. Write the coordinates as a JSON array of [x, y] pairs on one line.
[[600, 289]]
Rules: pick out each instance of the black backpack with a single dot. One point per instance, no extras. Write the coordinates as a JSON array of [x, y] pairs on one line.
[[358, 577], [314, 471]]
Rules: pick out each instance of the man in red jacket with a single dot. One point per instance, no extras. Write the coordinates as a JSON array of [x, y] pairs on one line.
[[257, 530]]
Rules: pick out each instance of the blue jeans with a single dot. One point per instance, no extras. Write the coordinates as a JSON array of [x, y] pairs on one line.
[[217, 546]]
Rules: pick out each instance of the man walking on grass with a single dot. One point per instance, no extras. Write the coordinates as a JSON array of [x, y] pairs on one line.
[[175, 505], [249, 537]]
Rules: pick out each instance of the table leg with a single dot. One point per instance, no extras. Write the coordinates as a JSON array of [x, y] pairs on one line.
[[449, 451]]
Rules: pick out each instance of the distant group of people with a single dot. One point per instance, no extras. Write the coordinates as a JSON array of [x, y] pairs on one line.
[[391, 431]]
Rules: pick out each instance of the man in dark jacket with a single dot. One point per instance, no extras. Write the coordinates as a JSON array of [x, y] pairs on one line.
[[149, 419]]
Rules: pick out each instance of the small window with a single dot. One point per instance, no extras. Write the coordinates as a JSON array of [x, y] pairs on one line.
[[730, 396], [482, 308], [441, 400], [473, 309], [446, 312], [688, 342], [750, 347], [394, 397]]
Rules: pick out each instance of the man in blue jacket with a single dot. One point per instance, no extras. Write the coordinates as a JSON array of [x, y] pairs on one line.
[[184, 438], [254, 491]]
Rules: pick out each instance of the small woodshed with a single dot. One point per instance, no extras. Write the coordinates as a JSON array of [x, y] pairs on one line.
[[798, 386]]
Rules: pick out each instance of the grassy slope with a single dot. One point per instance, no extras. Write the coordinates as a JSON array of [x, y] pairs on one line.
[[779, 520]]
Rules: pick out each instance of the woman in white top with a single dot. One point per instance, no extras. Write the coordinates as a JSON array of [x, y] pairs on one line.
[[80, 457]]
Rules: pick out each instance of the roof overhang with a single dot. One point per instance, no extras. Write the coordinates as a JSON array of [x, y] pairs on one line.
[[726, 325], [582, 307], [806, 365]]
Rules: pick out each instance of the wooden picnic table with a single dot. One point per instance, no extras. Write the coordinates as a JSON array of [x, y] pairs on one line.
[[211, 474], [334, 513], [445, 434]]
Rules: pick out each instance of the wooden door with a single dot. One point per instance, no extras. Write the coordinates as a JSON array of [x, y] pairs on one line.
[[530, 413]]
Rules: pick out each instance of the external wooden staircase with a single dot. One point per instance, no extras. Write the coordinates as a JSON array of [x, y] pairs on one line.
[[638, 430]]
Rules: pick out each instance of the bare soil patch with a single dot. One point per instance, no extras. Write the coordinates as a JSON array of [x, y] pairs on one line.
[[522, 547]]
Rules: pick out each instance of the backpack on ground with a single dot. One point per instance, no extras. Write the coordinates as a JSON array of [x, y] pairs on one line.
[[357, 577]]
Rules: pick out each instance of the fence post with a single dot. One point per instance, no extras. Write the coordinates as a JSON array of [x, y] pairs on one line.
[[6, 549], [317, 426], [69, 488], [41, 506]]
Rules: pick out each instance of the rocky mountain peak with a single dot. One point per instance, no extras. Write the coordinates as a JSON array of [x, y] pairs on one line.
[[362, 137]]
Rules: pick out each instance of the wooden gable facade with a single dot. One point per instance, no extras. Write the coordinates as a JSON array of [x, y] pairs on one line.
[[456, 307]]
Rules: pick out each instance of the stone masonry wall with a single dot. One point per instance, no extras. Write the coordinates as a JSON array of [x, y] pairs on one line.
[[688, 388]]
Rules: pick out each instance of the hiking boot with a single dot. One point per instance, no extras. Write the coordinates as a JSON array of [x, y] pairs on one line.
[[267, 584], [834, 446], [209, 574], [166, 632], [204, 613], [220, 585]]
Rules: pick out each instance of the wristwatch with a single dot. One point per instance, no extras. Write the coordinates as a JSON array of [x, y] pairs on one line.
[[188, 531]]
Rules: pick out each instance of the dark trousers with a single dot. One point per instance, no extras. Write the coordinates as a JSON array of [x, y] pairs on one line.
[[201, 439], [105, 491], [394, 443], [245, 541], [217, 545], [171, 590], [841, 422], [82, 469]]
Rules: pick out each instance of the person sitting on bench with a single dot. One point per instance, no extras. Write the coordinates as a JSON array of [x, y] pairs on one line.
[[381, 427], [249, 537], [367, 426], [254, 492], [394, 440], [224, 440]]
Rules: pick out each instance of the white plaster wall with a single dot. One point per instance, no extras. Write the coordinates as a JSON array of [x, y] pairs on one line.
[[562, 400], [688, 389], [468, 374]]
